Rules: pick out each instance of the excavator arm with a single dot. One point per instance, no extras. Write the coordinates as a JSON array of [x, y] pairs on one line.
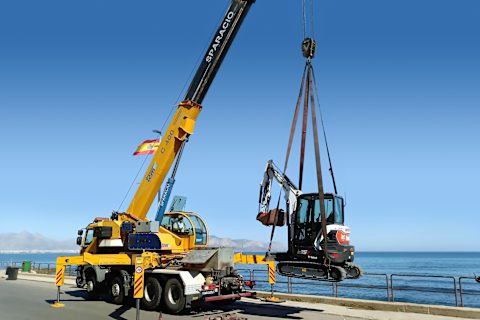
[[291, 192]]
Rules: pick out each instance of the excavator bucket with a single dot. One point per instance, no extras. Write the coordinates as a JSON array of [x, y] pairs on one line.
[[275, 217]]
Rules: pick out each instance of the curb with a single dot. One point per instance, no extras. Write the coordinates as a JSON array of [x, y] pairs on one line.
[[472, 313]]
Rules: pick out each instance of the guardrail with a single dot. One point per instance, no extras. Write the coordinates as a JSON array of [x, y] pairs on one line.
[[40, 267], [391, 284], [430, 289], [466, 293]]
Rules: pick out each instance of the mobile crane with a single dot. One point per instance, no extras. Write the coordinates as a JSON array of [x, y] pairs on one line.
[[179, 268], [305, 254]]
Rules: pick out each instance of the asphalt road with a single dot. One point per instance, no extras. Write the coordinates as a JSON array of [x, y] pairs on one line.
[[30, 300]]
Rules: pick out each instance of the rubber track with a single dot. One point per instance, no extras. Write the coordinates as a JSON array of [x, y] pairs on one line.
[[303, 276]]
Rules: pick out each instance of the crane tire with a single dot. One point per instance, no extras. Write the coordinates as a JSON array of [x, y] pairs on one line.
[[91, 284], [173, 296], [152, 294], [116, 291]]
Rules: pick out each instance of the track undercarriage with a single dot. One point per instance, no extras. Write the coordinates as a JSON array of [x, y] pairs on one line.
[[318, 271]]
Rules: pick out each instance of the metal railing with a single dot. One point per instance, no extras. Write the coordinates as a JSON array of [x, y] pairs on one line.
[[392, 284], [430, 289], [39, 267], [468, 292]]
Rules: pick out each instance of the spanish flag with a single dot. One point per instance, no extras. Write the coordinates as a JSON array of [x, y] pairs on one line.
[[147, 147]]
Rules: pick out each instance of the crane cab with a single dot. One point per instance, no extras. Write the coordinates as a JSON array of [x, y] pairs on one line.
[[187, 226]]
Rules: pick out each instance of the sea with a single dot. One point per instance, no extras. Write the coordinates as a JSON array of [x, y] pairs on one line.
[[417, 277]]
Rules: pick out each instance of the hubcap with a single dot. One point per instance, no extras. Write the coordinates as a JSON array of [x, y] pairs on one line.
[[173, 295], [90, 286], [115, 289]]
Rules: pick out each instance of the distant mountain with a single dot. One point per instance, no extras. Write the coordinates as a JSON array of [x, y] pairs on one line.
[[27, 241], [35, 242], [245, 245]]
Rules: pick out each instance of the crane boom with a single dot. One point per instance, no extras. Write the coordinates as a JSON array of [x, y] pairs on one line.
[[183, 121]]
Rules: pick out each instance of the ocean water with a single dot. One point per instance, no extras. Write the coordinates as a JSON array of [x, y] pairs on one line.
[[401, 269], [413, 276]]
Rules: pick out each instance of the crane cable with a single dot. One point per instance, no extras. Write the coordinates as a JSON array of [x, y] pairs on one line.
[[330, 169], [293, 127], [308, 47], [287, 156]]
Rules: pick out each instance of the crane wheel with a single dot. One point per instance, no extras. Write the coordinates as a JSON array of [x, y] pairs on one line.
[[173, 296], [338, 273], [152, 294], [91, 284], [79, 282], [116, 291]]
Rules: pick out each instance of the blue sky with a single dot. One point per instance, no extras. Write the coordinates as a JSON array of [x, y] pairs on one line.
[[82, 83]]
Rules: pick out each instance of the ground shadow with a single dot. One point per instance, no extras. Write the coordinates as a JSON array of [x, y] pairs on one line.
[[117, 314], [245, 308], [242, 308]]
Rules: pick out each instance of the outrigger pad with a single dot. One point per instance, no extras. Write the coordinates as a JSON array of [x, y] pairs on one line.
[[268, 218], [273, 299]]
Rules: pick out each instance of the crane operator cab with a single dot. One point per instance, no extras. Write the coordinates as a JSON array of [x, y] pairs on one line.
[[186, 224]]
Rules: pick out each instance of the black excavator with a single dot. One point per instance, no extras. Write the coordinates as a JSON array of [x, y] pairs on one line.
[[306, 257], [318, 241]]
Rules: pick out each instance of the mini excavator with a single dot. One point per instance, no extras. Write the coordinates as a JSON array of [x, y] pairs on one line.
[[305, 257], [318, 242]]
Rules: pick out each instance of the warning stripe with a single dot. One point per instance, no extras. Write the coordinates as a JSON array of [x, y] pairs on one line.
[[271, 274], [59, 275], [137, 291], [138, 280], [138, 286]]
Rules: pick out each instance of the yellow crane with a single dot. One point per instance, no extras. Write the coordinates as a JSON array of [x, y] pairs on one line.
[[179, 268]]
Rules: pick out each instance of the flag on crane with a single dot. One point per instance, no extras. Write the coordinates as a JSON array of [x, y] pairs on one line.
[[147, 147]]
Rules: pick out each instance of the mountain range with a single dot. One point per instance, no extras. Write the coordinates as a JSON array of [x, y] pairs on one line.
[[35, 242]]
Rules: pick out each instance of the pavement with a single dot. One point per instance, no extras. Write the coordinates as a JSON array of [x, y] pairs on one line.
[[27, 299]]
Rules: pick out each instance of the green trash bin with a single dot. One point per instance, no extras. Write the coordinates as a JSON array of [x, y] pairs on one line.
[[26, 266], [12, 273]]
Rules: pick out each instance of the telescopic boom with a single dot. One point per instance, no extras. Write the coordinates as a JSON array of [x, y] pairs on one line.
[[183, 121]]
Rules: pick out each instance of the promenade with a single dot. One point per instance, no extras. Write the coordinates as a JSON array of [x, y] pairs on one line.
[[30, 299]]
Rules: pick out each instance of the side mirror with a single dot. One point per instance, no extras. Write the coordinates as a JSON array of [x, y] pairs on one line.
[[79, 241], [80, 232]]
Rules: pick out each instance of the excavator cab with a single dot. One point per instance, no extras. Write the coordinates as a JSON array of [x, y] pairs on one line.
[[307, 223]]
